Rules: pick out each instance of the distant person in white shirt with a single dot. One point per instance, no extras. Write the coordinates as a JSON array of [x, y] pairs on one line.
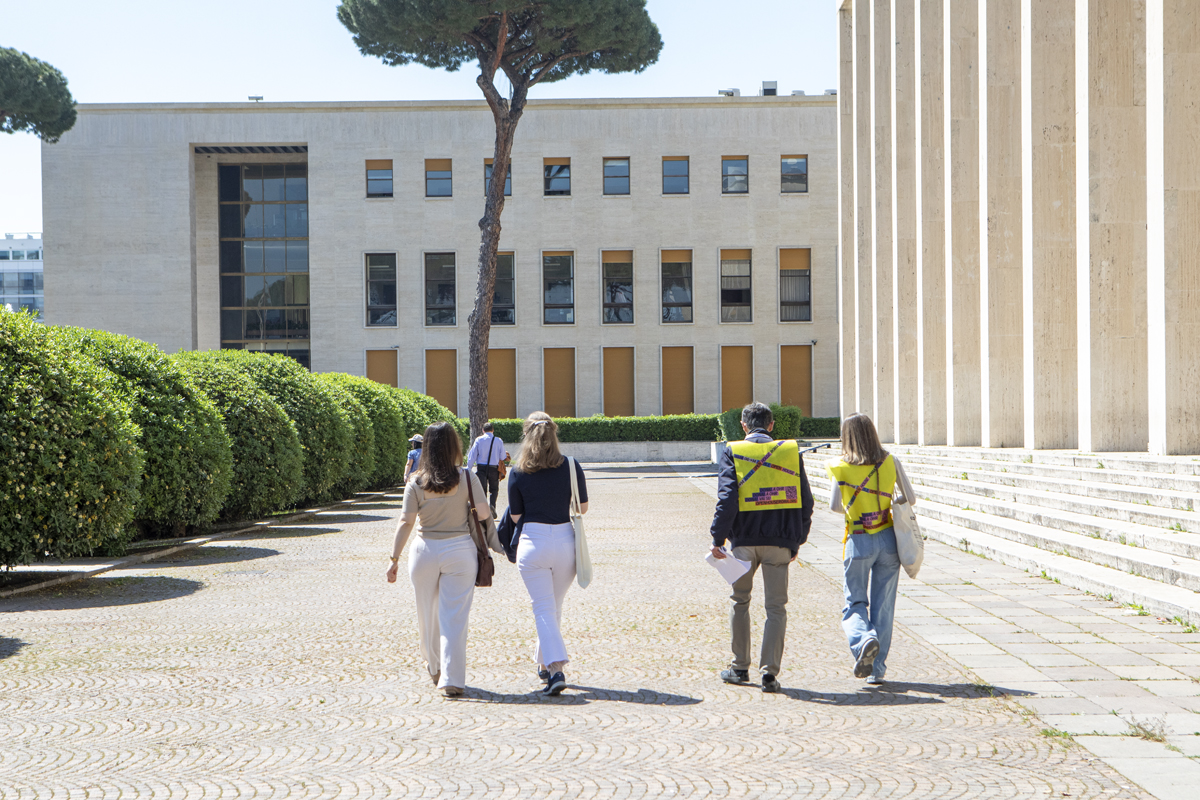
[[486, 454]]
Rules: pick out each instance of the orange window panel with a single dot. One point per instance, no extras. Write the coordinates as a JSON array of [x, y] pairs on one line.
[[678, 381], [381, 367], [676, 256], [795, 258], [616, 257], [379, 163], [737, 377], [795, 376], [441, 377], [618, 382], [438, 164], [556, 162], [558, 381], [502, 383]]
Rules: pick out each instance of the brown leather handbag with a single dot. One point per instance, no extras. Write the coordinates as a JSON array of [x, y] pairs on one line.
[[487, 567]]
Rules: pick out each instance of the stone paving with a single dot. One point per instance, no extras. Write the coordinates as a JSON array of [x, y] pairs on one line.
[[282, 665]]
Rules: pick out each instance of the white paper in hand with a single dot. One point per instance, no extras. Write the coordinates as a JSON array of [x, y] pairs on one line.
[[730, 568]]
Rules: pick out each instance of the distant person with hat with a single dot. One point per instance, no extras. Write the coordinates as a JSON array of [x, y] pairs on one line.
[[414, 455], [764, 510]]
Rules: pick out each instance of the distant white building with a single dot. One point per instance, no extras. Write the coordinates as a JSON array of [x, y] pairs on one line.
[[21, 272]]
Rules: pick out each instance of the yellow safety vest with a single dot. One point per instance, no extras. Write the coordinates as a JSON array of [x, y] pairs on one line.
[[768, 475], [866, 494]]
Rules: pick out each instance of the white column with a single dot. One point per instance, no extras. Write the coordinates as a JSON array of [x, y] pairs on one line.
[[847, 248], [882, 265], [864, 343], [905, 286]]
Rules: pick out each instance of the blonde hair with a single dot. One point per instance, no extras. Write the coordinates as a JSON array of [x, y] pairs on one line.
[[539, 444], [860, 441]]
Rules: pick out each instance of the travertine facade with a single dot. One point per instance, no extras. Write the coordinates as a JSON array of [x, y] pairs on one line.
[[131, 221], [1021, 178]]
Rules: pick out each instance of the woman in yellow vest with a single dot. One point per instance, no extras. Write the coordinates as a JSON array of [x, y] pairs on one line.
[[865, 481]]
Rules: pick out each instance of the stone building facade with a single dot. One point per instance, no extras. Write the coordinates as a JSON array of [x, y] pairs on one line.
[[1019, 214], [658, 256]]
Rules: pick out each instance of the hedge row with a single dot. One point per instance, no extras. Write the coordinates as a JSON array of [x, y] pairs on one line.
[[106, 438], [790, 423]]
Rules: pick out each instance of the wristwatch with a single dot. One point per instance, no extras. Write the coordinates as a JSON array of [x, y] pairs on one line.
[[395, 559]]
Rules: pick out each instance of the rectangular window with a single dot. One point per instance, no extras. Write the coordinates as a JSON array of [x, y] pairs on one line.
[[558, 381], [675, 174], [441, 377], [33, 255], [487, 177], [381, 289], [18, 255], [440, 298], [438, 177], [795, 284], [737, 377], [504, 298], [5, 255], [795, 376], [735, 174], [618, 381], [735, 286], [557, 173], [381, 367], [502, 384], [558, 286], [677, 285], [793, 174], [379, 177], [616, 176], [618, 286], [678, 381]]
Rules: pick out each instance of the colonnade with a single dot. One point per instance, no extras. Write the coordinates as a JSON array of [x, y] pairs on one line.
[[1019, 260]]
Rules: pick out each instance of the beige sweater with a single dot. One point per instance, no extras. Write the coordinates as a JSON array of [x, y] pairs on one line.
[[444, 516]]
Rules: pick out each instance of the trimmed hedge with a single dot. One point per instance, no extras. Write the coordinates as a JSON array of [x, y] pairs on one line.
[[361, 467], [790, 423], [325, 430], [187, 461], [268, 462], [70, 465], [821, 427], [389, 422], [429, 411], [670, 428]]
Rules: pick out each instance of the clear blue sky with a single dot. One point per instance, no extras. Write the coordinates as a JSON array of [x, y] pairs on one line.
[[147, 51]]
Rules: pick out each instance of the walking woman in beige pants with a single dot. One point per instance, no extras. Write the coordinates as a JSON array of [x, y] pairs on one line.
[[443, 562]]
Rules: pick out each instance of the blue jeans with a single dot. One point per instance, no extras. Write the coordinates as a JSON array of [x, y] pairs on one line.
[[872, 575]]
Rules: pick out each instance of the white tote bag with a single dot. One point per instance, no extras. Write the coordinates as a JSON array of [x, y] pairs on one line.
[[910, 544], [583, 561]]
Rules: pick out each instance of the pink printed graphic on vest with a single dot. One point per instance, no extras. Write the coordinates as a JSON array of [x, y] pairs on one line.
[[773, 496], [875, 519]]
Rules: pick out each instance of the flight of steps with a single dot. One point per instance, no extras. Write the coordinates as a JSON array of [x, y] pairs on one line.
[[1120, 524]]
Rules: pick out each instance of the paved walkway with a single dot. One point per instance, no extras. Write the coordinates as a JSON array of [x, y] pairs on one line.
[[284, 666]]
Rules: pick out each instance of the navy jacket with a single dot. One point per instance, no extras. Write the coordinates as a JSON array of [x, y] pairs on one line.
[[776, 527]]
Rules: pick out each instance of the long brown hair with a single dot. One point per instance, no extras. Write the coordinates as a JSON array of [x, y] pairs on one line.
[[860, 441], [539, 444], [441, 457]]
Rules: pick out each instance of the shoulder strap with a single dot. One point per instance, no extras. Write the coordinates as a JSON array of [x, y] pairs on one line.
[[863, 485], [492, 449], [472, 520], [574, 486]]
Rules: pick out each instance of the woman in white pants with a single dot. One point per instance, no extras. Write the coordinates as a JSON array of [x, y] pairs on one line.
[[443, 562], [539, 492]]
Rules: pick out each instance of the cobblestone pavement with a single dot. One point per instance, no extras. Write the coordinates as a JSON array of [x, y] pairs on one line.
[[284, 666]]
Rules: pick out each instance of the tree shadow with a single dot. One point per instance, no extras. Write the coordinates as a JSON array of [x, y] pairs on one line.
[[337, 518], [102, 592], [656, 469], [283, 532], [210, 554], [582, 695], [9, 647], [903, 694]]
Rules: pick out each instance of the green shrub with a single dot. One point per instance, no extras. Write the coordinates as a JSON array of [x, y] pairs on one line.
[[670, 428], [361, 469], [187, 461], [70, 465], [268, 462], [385, 407], [430, 411], [787, 421], [730, 424], [326, 434], [821, 427]]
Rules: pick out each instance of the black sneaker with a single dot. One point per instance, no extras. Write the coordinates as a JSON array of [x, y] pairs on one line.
[[555, 685], [770, 684], [543, 675], [866, 659], [739, 676]]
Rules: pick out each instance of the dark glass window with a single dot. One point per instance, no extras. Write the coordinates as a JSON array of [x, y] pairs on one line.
[[793, 174], [557, 179], [795, 295], [677, 292], [735, 290], [675, 176], [381, 289], [439, 289], [263, 227], [504, 299], [558, 284], [616, 176], [487, 179], [379, 182], [438, 177], [735, 175], [618, 292]]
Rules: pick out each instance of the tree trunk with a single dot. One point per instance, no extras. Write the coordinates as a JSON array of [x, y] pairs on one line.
[[480, 321]]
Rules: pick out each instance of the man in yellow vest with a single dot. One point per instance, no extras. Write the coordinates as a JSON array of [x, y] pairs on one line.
[[764, 511]]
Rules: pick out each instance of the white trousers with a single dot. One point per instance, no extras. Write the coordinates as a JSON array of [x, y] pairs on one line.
[[443, 576], [546, 561]]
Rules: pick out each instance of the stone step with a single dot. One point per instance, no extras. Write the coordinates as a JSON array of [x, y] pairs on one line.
[[1132, 462]]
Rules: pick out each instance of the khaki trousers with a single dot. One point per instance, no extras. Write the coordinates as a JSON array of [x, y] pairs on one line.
[[774, 562]]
